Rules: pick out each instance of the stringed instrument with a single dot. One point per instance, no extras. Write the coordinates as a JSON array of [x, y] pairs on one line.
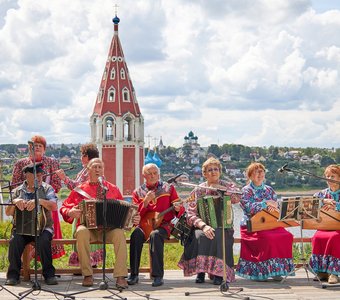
[[265, 220], [153, 219], [328, 220]]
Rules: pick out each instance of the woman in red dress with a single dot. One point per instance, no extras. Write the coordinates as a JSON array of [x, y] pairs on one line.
[[50, 165]]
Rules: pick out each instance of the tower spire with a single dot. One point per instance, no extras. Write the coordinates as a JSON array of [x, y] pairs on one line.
[[117, 125]]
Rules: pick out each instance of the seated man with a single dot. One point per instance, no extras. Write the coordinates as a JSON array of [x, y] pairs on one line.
[[24, 199], [152, 197], [95, 189]]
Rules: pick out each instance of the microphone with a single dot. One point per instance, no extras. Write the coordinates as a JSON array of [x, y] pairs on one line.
[[100, 180], [173, 179], [283, 168]]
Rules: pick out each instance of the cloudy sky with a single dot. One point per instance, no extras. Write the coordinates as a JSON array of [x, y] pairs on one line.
[[252, 72]]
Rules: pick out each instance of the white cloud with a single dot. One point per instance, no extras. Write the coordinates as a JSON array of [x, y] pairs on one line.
[[256, 72]]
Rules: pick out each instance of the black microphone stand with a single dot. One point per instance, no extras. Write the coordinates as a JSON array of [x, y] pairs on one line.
[[6, 204], [305, 172], [224, 287], [103, 285], [36, 285]]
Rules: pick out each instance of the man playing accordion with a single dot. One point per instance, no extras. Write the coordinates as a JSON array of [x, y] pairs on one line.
[[94, 189], [24, 200]]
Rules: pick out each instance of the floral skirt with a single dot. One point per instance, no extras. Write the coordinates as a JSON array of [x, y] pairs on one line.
[[265, 254], [326, 252], [202, 255]]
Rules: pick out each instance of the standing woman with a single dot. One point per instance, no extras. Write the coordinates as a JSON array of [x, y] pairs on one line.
[[325, 259], [204, 252], [88, 151], [50, 165], [266, 253]]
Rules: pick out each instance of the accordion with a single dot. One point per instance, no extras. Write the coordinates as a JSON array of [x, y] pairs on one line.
[[211, 209], [119, 214], [24, 221]]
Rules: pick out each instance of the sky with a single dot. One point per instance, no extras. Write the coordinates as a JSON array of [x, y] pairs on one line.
[[251, 72]]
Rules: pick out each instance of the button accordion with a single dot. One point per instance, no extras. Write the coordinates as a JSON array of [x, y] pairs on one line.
[[211, 208], [119, 214]]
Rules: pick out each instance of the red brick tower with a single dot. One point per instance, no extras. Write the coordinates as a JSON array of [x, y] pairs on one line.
[[117, 125]]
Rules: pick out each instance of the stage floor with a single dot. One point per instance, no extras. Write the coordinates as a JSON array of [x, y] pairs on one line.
[[176, 286]]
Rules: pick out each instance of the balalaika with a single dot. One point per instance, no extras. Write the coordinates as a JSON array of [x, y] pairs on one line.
[[211, 208], [119, 214], [24, 221]]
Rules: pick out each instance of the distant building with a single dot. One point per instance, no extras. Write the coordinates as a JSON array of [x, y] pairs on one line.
[[191, 150], [65, 160], [225, 157]]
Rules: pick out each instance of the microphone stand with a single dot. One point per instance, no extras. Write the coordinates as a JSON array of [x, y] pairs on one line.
[[305, 172], [103, 285], [224, 287], [36, 285]]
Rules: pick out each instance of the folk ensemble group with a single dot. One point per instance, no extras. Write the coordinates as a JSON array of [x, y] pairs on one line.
[[264, 255]]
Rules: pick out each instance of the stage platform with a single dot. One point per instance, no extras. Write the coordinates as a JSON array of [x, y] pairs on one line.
[[176, 286]]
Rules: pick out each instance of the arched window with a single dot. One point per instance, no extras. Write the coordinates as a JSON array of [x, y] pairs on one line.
[[105, 74], [109, 129], [113, 73], [111, 94], [122, 73], [127, 129], [126, 95], [100, 96]]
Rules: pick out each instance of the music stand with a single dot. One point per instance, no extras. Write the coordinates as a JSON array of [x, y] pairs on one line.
[[103, 285], [5, 204], [299, 209], [36, 285], [224, 287]]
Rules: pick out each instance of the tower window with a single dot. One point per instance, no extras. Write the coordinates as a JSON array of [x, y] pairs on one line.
[[111, 95], [100, 96], [126, 95], [105, 74], [109, 128], [122, 74], [113, 73]]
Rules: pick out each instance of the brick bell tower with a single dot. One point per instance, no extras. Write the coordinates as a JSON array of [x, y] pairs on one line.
[[117, 125]]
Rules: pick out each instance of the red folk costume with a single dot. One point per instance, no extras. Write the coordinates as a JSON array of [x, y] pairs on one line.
[[94, 191], [165, 195], [50, 165]]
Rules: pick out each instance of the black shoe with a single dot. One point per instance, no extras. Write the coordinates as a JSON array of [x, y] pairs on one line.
[[158, 281], [218, 280], [200, 278], [12, 281], [132, 280], [51, 280]]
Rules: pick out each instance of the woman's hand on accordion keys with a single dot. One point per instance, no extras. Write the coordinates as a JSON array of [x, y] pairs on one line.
[[209, 232]]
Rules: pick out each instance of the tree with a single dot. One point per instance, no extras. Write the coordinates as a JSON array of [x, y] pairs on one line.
[[326, 161]]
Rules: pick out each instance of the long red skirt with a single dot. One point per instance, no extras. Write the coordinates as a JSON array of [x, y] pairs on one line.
[[265, 253], [326, 252]]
